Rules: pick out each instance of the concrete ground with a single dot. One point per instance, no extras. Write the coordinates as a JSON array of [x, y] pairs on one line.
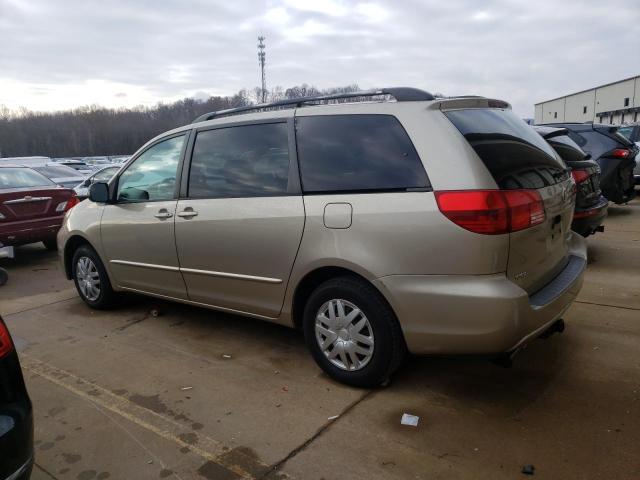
[[197, 394]]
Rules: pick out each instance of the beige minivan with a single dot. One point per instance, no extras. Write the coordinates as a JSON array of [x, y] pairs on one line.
[[379, 223]]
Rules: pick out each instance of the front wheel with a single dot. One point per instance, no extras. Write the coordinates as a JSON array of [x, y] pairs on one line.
[[353, 333], [91, 279]]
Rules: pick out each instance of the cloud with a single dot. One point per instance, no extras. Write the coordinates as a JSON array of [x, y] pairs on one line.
[[72, 53]]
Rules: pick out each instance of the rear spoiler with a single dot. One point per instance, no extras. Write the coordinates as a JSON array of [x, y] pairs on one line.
[[456, 103], [550, 132]]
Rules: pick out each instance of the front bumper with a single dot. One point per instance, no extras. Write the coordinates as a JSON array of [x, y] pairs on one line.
[[479, 314]]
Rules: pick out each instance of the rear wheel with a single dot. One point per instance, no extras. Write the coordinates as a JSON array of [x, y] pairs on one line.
[[51, 243], [352, 332], [91, 279]]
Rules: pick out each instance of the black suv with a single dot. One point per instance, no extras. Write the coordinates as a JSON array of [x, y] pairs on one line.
[[591, 206], [614, 153]]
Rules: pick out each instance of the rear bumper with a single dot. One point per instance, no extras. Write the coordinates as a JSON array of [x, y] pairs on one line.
[[21, 233], [587, 220], [479, 314]]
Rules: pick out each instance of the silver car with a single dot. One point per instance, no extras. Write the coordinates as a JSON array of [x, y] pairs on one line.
[[405, 223]]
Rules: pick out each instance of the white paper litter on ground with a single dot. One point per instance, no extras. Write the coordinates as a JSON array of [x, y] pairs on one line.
[[333, 418], [410, 420]]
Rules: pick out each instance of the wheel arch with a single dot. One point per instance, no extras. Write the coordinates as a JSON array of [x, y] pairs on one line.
[[310, 281], [71, 245]]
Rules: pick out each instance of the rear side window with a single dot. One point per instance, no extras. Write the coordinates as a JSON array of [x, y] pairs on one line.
[[244, 161], [350, 153], [513, 152], [22, 178]]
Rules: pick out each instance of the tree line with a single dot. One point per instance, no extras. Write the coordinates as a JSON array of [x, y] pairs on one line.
[[95, 130]]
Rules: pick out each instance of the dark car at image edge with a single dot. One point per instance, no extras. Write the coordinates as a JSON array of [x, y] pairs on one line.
[[16, 417], [591, 206]]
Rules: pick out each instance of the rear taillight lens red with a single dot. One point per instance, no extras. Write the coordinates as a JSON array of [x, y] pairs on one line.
[[580, 175], [68, 205], [72, 202], [6, 346], [620, 153], [492, 212]]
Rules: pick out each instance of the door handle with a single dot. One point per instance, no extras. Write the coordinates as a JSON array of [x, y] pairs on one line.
[[163, 214], [187, 213]]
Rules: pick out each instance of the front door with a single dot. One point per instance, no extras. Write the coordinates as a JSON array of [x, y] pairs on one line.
[[138, 230], [239, 229]]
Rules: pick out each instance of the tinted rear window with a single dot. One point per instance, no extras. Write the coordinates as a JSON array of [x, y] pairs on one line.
[[347, 153], [58, 171], [513, 152], [22, 178], [568, 150]]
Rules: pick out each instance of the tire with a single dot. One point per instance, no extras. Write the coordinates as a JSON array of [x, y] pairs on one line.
[[370, 363], [85, 259], [4, 277], [51, 244]]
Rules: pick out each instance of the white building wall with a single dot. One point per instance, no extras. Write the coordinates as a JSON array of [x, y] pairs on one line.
[[608, 98], [576, 104], [612, 97], [553, 111], [537, 117]]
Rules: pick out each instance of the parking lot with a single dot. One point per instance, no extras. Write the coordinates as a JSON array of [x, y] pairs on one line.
[[192, 393]]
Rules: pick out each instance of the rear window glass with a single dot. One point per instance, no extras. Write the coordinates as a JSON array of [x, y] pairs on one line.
[[347, 153], [22, 178], [568, 150], [58, 171], [513, 152]]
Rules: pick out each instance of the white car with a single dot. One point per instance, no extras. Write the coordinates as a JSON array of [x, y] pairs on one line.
[[632, 132], [103, 175]]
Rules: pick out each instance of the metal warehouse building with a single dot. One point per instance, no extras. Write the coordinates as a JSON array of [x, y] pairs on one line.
[[615, 103]]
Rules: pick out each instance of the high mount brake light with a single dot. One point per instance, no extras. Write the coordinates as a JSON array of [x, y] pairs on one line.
[[580, 175], [492, 212]]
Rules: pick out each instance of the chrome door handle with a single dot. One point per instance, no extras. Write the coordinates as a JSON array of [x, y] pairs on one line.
[[187, 213], [163, 214]]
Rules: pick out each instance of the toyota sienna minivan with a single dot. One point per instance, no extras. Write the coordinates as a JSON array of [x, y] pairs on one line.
[[378, 223]]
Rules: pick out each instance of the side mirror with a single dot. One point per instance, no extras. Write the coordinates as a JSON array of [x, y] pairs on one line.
[[86, 183], [99, 192]]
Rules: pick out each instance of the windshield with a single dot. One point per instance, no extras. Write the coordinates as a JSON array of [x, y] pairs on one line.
[[58, 171], [22, 178]]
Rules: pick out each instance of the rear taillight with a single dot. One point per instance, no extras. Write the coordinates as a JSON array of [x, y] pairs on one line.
[[580, 175], [492, 212], [6, 346], [68, 205], [619, 153]]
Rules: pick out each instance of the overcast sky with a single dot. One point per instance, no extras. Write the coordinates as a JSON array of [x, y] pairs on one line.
[[58, 54]]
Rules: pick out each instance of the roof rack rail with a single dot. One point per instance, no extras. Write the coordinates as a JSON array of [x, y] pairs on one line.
[[401, 94]]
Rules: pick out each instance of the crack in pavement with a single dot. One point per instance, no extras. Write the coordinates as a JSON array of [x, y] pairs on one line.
[[45, 471], [607, 305], [325, 427]]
